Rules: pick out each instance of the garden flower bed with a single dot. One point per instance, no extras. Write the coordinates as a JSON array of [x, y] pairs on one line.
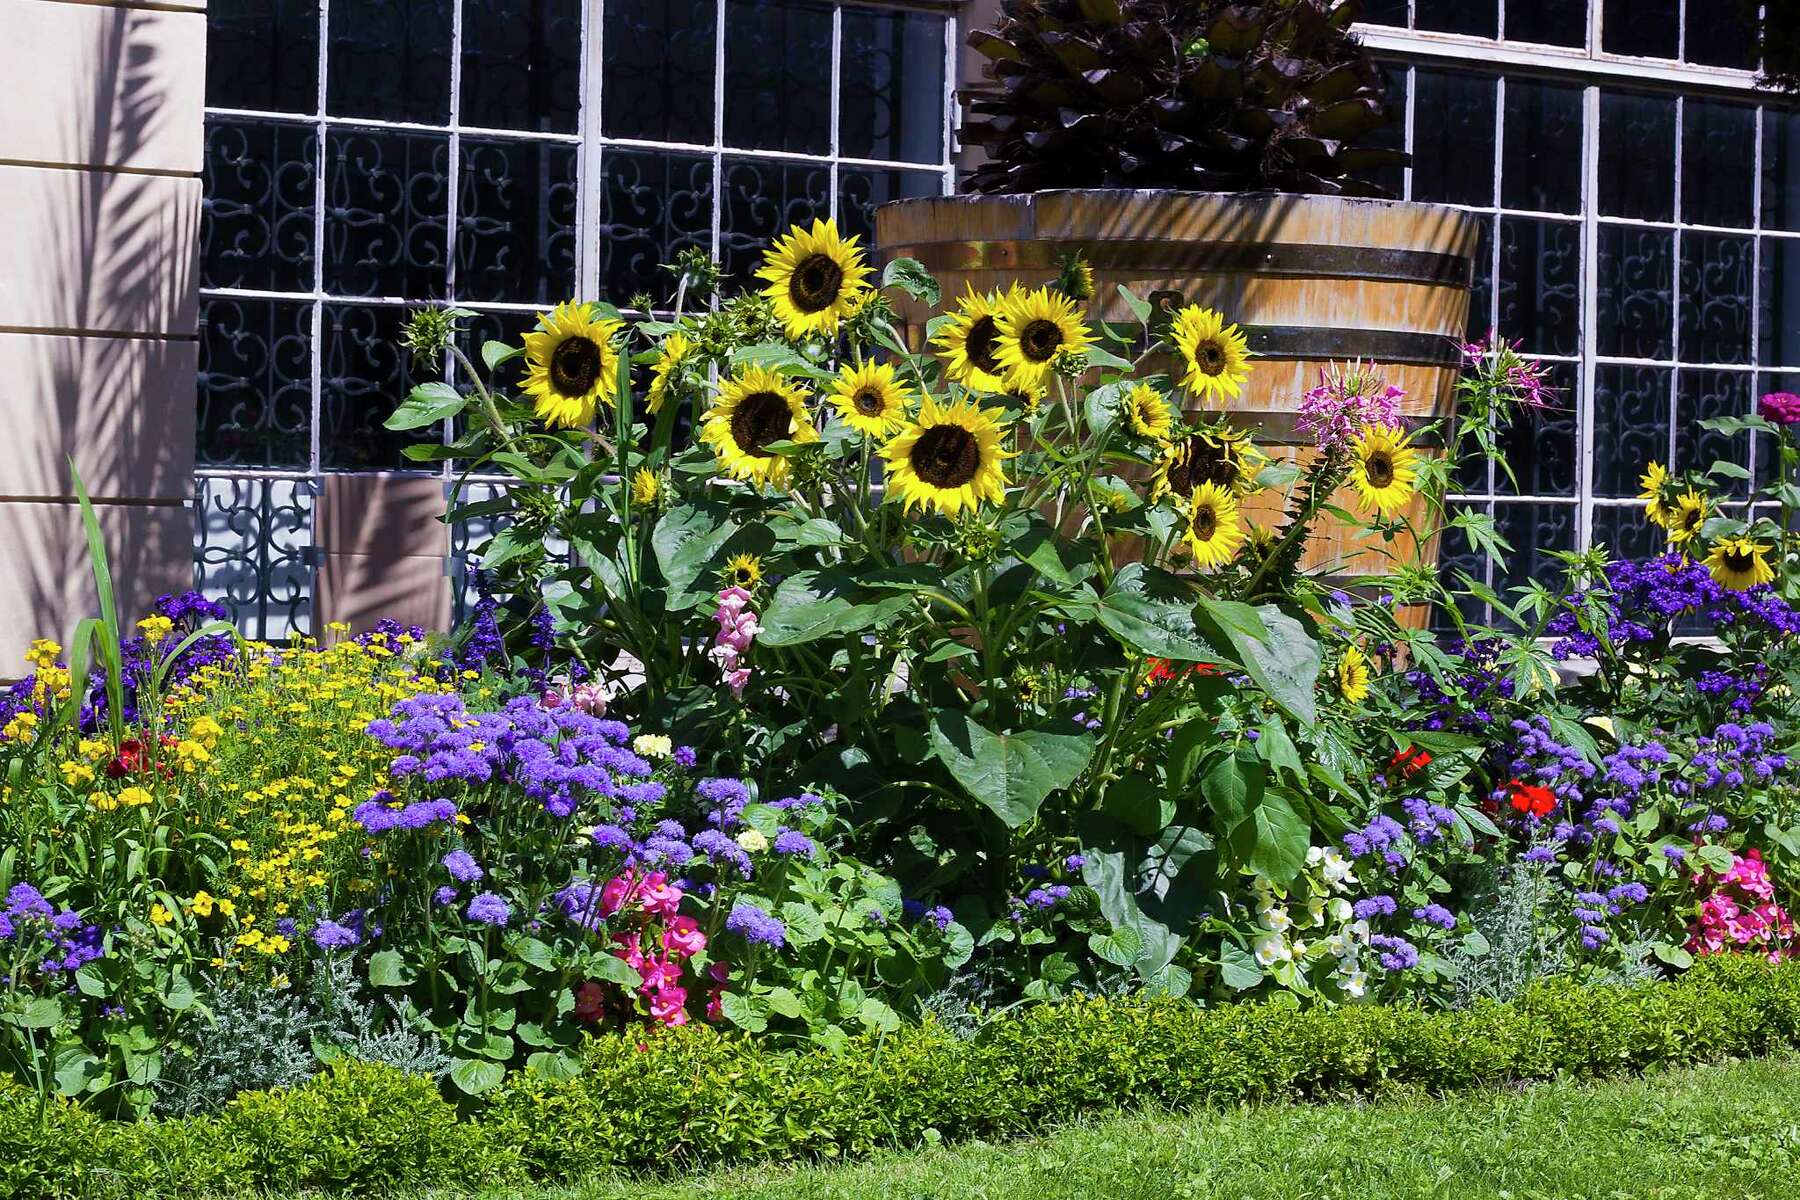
[[853, 740]]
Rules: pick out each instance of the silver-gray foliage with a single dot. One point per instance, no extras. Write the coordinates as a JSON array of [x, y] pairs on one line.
[[1517, 918]]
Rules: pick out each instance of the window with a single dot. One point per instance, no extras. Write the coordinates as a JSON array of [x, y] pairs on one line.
[[1639, 235], [363, 156]]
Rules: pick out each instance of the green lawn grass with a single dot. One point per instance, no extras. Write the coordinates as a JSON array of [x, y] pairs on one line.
[[1731, 1130]]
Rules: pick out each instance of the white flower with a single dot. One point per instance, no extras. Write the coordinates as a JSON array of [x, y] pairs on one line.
[[1299, 948], [1274, 919], [752, 842], [1272, 948], [653, 745], [1313, 855], [1341, 909], [1315, 909], [1338, 944], [1337, 869], [1356, 981]]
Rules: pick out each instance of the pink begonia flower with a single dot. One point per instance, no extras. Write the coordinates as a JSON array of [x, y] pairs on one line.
[[683, 937], [630, 950], [669, 1006], [1779, 408], [659, 973], [658, 896], [589, 697], [615, 892], [715, 1005]]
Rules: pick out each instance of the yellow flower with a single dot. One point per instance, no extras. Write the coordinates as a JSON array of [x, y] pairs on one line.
[[206, 731], [156, 628], [1654, 482], [103, 802], [968, 340], [20, 727], [1739, 563], [191, 754], [43, 653], [1214, 531], [1147, 413], [755, 409], [1216, 355], [871, 399], [645, 487], [675, 350], [653, 745], [135, 797], [815, 278], [1223, 456], [75, 774], [949, 460], [1035, 330], [1353, 676], [1382, 469], [1685, 519], [571, 364], [226, 908], [160, 915], [743, 570], [201, 905]]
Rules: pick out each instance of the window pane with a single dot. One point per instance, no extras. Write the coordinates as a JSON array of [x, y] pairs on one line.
[[365, 373], [654, 206], [1540, 444], [1534, 531], [1718, 162], [1716, 271], [256, 218], [1631, 425], [1542, 167], [1478, 17], [1540, 284], [390, 59], [1637, 156], [1647, 28], [1701, 396], [1481, 293], [1636, 298], [255, 383], [1781, 170], [659, 70], [761, 199], [521, 65], [263, 54], [893, 85], [862, 190], [1778, 304], [1391, 136], [1720, 35], [515, 228], [778, 76], [1456, 553], [1626, 532], [1453, 137], [1385, 12], [385, 214], [1549, 22]]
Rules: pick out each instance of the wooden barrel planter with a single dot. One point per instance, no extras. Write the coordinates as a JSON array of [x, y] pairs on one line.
[[1312, 280]]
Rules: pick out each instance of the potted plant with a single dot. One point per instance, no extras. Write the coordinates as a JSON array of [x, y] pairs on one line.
[[1211, 154]]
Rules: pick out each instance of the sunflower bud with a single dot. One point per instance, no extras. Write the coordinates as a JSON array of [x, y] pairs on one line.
[[429, 332]]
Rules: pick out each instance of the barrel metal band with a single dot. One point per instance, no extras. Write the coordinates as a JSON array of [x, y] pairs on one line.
[[1300, 343], [1167, 258]]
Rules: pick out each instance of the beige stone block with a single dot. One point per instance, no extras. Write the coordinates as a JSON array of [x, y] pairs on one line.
[[95, 84], [98, 251], [382, 549], [48, 585], [360, 589], [122, 408]]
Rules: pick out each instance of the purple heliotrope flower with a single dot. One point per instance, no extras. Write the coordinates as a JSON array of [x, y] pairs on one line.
[[489, 909], [329, 935], [754, 925], [462, 866]]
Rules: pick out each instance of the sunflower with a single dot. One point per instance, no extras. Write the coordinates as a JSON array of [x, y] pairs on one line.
[[950, 459], [1036, 328], [1684, 520], [1075, 277], [1216, 355], [1654, 481], [743, 570], [871, 398], [675, 350], [1353, 676], [815, 277], [1738, 563], [571, 364], [968, 340], [1260, 545], [754, 408], [1147, 414], [645, 487], [1214, 532], [1382, 468], [1222, 456]]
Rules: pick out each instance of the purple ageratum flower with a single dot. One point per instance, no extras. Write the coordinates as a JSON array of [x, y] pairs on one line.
[[1435, 914], [444, 897], [422, 814], [375, 816], [462, 866], [330, 935], [795, 844], [1074, 862], [1370, 907], [756, 926], [725, 799], [1047, 897], [1398, 954], [488, 909], [685, 758], [23, 901], [940, 916]]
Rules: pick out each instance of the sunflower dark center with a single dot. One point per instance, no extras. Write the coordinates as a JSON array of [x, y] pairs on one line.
[[1202, 461], [946, 456], [980, 343], [1379, 467], [1040, 339], [815, 284], [1738, 561], [1690, 518], [868, 402], [575, 366], [760, 418], [1205, 523], [1210, 358], [745, 575]]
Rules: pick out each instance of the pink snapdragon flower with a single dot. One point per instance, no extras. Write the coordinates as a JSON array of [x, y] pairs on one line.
[[589, 697], [738, 628]]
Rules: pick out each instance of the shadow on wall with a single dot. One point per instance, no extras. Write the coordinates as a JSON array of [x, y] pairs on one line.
[[113, 272]]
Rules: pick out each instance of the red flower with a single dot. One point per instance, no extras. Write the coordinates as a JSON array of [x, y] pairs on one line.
[[129, 761], [1531, 798], [1410, 761], [1162, 670]]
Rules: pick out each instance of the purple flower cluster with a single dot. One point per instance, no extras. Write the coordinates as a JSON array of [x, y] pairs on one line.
[[1466, 698], [63, 936], [1382, 835], [1641, 600], [377, 816], [1427, 821], [1397, 954], [1536, 757], [756, 926], [1738, 754]]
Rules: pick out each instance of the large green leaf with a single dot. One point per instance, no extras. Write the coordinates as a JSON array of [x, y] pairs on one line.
[[1284, 663], [815, 604], [1152, 612], [1010, 773], [428, 404], [473, 1076], [1273, 839], [686, 540]]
